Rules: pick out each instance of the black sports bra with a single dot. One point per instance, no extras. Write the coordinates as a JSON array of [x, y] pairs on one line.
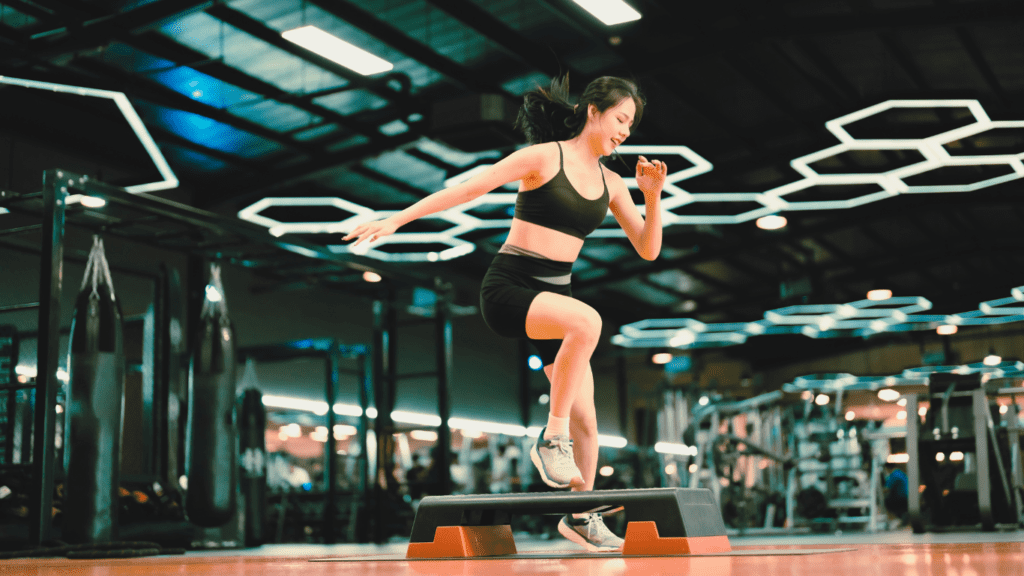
[[558, 206]]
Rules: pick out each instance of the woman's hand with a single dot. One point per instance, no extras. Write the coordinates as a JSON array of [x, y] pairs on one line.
[[650, 177], [372, 231]]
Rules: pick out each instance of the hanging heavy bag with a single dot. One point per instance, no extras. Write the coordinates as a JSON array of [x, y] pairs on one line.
[[92, 443], [252, 445], [210, 460]]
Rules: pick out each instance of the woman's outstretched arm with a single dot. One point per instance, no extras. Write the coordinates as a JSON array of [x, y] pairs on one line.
[[515, 166], [644, 232]]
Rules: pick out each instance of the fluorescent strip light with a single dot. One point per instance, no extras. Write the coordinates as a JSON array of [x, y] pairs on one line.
[[337, 50], [416, 418], [611, 12], [675, 448]]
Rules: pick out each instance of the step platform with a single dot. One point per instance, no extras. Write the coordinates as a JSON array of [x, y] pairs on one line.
[[661, 521]]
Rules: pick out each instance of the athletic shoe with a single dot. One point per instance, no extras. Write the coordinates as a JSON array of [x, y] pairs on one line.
[[590, 532], [553, 459]]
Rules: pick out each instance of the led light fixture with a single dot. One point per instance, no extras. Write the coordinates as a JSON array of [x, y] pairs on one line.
[[129, 113], [611, 12], [337, 50], [684, 164], [861, 318]]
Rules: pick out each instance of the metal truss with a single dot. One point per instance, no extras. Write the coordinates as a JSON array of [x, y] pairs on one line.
[[890, 183], [862, 318], [132, 117]]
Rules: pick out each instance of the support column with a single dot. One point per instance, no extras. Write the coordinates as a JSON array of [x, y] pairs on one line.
[[622, 381], [525, 388], [330, 447], [51, 273], [384, 388], [443, 341]]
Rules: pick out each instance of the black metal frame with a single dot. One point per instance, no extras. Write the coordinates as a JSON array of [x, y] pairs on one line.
[[332, 353], [133, 217]]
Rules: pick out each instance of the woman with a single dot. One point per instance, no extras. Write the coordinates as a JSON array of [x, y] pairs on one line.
[[564, 195]]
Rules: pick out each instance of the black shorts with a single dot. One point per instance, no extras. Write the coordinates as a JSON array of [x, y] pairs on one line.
[[508, 289]]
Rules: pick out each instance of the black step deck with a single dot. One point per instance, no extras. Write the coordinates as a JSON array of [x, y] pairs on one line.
[[677, 512]]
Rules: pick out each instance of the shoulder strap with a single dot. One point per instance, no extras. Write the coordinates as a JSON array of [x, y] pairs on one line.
[[561, 164], [601, 166]]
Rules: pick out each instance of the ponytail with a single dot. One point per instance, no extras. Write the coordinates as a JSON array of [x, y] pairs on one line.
[[547, 115]]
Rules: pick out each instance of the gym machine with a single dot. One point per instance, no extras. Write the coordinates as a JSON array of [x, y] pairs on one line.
[[964, 452]]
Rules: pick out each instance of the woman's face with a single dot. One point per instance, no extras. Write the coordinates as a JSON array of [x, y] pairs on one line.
[[612, 127]]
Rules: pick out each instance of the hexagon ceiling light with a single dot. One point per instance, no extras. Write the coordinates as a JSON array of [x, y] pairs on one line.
[[132, 117], [862, 318], [889, 183]]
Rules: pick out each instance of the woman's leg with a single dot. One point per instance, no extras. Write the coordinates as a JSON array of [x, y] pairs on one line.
[[583, 429], [555, 317]]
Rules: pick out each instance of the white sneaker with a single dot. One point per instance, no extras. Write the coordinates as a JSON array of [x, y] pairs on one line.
[[553, 459], [590, 532]]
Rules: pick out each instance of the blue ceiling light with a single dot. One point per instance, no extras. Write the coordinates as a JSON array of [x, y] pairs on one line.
[[861, 318]]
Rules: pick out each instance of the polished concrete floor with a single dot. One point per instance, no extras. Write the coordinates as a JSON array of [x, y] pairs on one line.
[[883, 554]]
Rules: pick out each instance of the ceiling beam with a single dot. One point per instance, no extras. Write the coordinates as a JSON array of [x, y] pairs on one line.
[[399, 40], [734, 37], [167, 49], [73, 36], [253, 27]]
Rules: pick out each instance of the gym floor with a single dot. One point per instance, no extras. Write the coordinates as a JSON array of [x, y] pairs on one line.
[[884, 554]]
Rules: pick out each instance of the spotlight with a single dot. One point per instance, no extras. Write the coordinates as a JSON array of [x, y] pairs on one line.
[[534, 362], [771, 222], [992, 359], [821, 400], [901, 415], [423, 435], [93, 202], [703, 400], [371, 276], [940, 457], [880, 294], [946, 330], [888, 394], [662, 358], [692, 468], [898, 458], [901, 402], [850, 416], [544, 399], [670, 470], [212, 294], [956, 456], [606, 471]]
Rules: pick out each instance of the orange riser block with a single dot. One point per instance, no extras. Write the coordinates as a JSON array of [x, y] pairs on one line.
[[642, 539], [465, 542]]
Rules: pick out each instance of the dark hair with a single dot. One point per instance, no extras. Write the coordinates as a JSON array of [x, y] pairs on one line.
[[547, 115]]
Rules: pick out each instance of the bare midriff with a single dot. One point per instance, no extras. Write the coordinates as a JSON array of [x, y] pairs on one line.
[[552, 244]]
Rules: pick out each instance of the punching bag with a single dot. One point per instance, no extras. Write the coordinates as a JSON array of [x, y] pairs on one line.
[[92, 442], [210, 461], [252, 445]]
